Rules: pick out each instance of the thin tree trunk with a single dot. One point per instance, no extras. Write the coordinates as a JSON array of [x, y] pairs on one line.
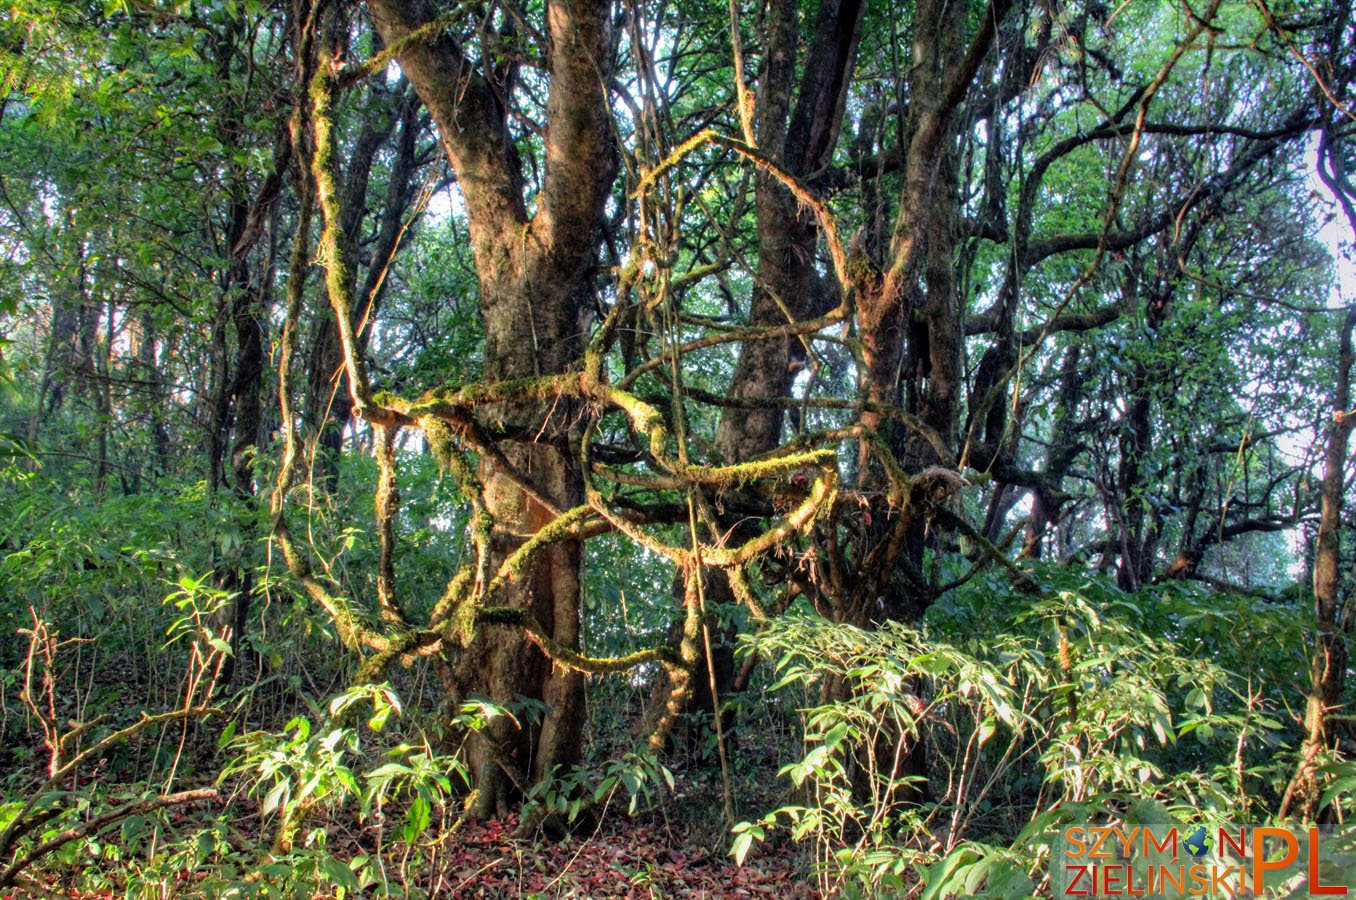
[[97, 387], [58, 364], [1332, 618]]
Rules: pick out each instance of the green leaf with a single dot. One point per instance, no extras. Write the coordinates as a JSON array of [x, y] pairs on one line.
[[227, 735], [942, 877], [745, 834], [387, 771], [339, 874], [379, 718], [416, 819]]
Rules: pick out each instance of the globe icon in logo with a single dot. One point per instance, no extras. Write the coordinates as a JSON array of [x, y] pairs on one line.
[[1197, 842]]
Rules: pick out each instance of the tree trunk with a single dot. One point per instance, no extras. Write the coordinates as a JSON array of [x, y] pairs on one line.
[[59, 363], [536, 277], [148, 370], [238, 411], [96, 378], [1332, 618], [909, 317]]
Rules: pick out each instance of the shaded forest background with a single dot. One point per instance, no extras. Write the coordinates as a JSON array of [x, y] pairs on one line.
[[861, 437]]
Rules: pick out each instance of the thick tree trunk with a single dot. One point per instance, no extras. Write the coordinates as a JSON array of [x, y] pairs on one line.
[[501, 664], [536, 278], [909, 318], [238, 409], [217, 399]]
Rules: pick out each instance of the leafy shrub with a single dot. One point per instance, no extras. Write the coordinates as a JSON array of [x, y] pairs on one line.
[[1085, 702]]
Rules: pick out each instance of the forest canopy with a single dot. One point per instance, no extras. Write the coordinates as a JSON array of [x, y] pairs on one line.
[[863, 437]]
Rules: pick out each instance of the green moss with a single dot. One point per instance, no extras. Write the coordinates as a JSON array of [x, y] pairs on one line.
[[564, 656], [440, 442], [559, 529], [454, 613], [374, 667], [743, 473]]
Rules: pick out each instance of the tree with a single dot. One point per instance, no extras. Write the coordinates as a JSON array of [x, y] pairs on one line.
[[536, 278], [821, 307]]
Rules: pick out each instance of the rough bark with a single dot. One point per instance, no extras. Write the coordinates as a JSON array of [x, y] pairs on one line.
[[788, 286], [909, 318], [1331, 618], [536, 275]]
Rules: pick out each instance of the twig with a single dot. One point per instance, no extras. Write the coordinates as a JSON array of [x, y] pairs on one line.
[[98, 823]]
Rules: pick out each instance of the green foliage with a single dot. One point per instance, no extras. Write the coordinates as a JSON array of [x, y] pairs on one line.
[[305, 771], [138, 137], [1083, 702], [637, 775]]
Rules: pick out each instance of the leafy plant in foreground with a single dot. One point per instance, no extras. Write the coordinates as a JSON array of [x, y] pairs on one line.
[[1075, 710], [307, 769]]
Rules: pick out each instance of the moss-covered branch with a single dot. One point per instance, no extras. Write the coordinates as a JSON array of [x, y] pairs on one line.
[[564, 656], [352, 632], [803, 195], [820, 497], [340, 281], [387, 504], [431, 31], [404, 646]]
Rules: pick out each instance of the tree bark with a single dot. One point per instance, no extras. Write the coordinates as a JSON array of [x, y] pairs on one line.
[[909, 318], [1332, 618], [536, 276]]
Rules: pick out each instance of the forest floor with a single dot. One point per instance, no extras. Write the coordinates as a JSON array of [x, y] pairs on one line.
[[618, 860], [675, 846], [665, 853]]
